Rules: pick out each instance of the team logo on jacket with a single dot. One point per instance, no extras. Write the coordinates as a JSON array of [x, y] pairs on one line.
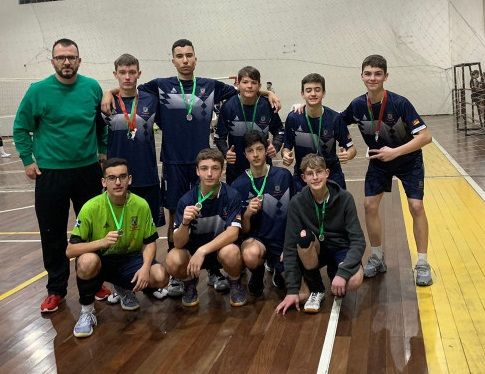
[[145, 109], [390, 117], [202, 91]]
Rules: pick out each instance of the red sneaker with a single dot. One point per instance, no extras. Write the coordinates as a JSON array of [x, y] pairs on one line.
[[102, 293], [51, 303]]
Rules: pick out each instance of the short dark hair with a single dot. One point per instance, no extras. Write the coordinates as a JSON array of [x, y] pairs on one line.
[[127, 60], [251, 72], [375, 61], [112, 162], [313, 78], [65, 43], [312, 161], [253, 137], [210, 154], [182, 43]]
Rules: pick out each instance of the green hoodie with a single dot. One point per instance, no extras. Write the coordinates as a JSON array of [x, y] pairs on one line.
[[65, 122]]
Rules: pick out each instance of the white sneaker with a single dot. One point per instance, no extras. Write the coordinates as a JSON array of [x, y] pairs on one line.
[[114, 298], [313, 303], [160, 293], [5, 155]]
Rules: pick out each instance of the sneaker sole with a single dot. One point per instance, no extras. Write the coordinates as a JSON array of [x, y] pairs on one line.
[[82, 334], [366, 275], [424, 284], [240, 303], [193, 303], [130, 308], [311, 311]]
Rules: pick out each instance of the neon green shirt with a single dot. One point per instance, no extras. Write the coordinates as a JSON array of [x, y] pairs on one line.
[[95, 221]]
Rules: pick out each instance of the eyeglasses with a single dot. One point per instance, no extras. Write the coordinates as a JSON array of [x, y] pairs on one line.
[[71, 59], [113, 178], [314, 173]]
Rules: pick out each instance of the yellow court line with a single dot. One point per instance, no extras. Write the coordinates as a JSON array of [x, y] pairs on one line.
[[452, 310], [21, 286]]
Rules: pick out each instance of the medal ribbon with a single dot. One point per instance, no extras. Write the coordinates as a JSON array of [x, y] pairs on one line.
[[119, 223], [320, 212], [381, 113], [201, 198], [131, 118], [192, 96], [250, 175], [244, 114], [316, 142]]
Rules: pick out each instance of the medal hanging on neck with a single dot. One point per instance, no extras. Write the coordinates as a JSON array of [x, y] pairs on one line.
[[320, 212], [244, 114], [201, 198], [381, 114], [130, 118], [259, 192], [316, 142], [118, 224], [188, 106]]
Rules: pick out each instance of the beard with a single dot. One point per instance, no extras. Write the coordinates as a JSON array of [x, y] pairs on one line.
[[67, 73]]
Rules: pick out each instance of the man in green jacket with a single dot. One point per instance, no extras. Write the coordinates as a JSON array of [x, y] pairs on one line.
[[62, 112]]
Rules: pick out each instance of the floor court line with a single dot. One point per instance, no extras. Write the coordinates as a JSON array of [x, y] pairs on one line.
[[15, 209], [327, 349]]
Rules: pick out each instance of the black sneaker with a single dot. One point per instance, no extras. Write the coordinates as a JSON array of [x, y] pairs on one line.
[[256, 282]]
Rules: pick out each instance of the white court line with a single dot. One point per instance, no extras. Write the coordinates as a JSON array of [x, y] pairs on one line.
[[22, 191], [20, 241], [13, 210], [462, 171], [11, 171], [326, 355], [11, 162]]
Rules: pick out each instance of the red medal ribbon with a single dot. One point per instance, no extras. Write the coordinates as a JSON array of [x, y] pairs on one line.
[[131, 118], [381, 113]]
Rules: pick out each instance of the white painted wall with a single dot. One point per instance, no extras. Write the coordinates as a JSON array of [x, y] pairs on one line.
[[284, 39]]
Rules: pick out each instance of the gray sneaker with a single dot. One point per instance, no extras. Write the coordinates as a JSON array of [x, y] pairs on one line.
[[218, 281], [127, 298], [374, 266], [423, 274], [238, 296], [85, 324], [175, 287]]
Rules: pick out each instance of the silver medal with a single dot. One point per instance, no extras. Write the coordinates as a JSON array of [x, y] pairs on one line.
[[260, 197], [120, 232], [198, 205], [189, 117], [321, 237]]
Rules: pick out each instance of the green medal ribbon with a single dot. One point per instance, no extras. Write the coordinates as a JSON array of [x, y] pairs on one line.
[[201, 198], [190, 105], [316, 142], [118, 224], [259, 192], [320, 212], [244, 114]]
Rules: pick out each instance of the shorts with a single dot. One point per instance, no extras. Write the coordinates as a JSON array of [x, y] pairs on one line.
[[177, 180], [120, 269], [379, 180], [210, 260], [272, 254], [152, 195], [331, 259]]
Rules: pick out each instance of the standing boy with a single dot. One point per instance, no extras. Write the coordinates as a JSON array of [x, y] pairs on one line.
[[316, 130], [241, 114], [395, 134]]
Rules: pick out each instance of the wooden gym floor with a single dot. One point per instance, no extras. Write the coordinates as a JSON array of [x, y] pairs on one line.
[[387, 326]]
